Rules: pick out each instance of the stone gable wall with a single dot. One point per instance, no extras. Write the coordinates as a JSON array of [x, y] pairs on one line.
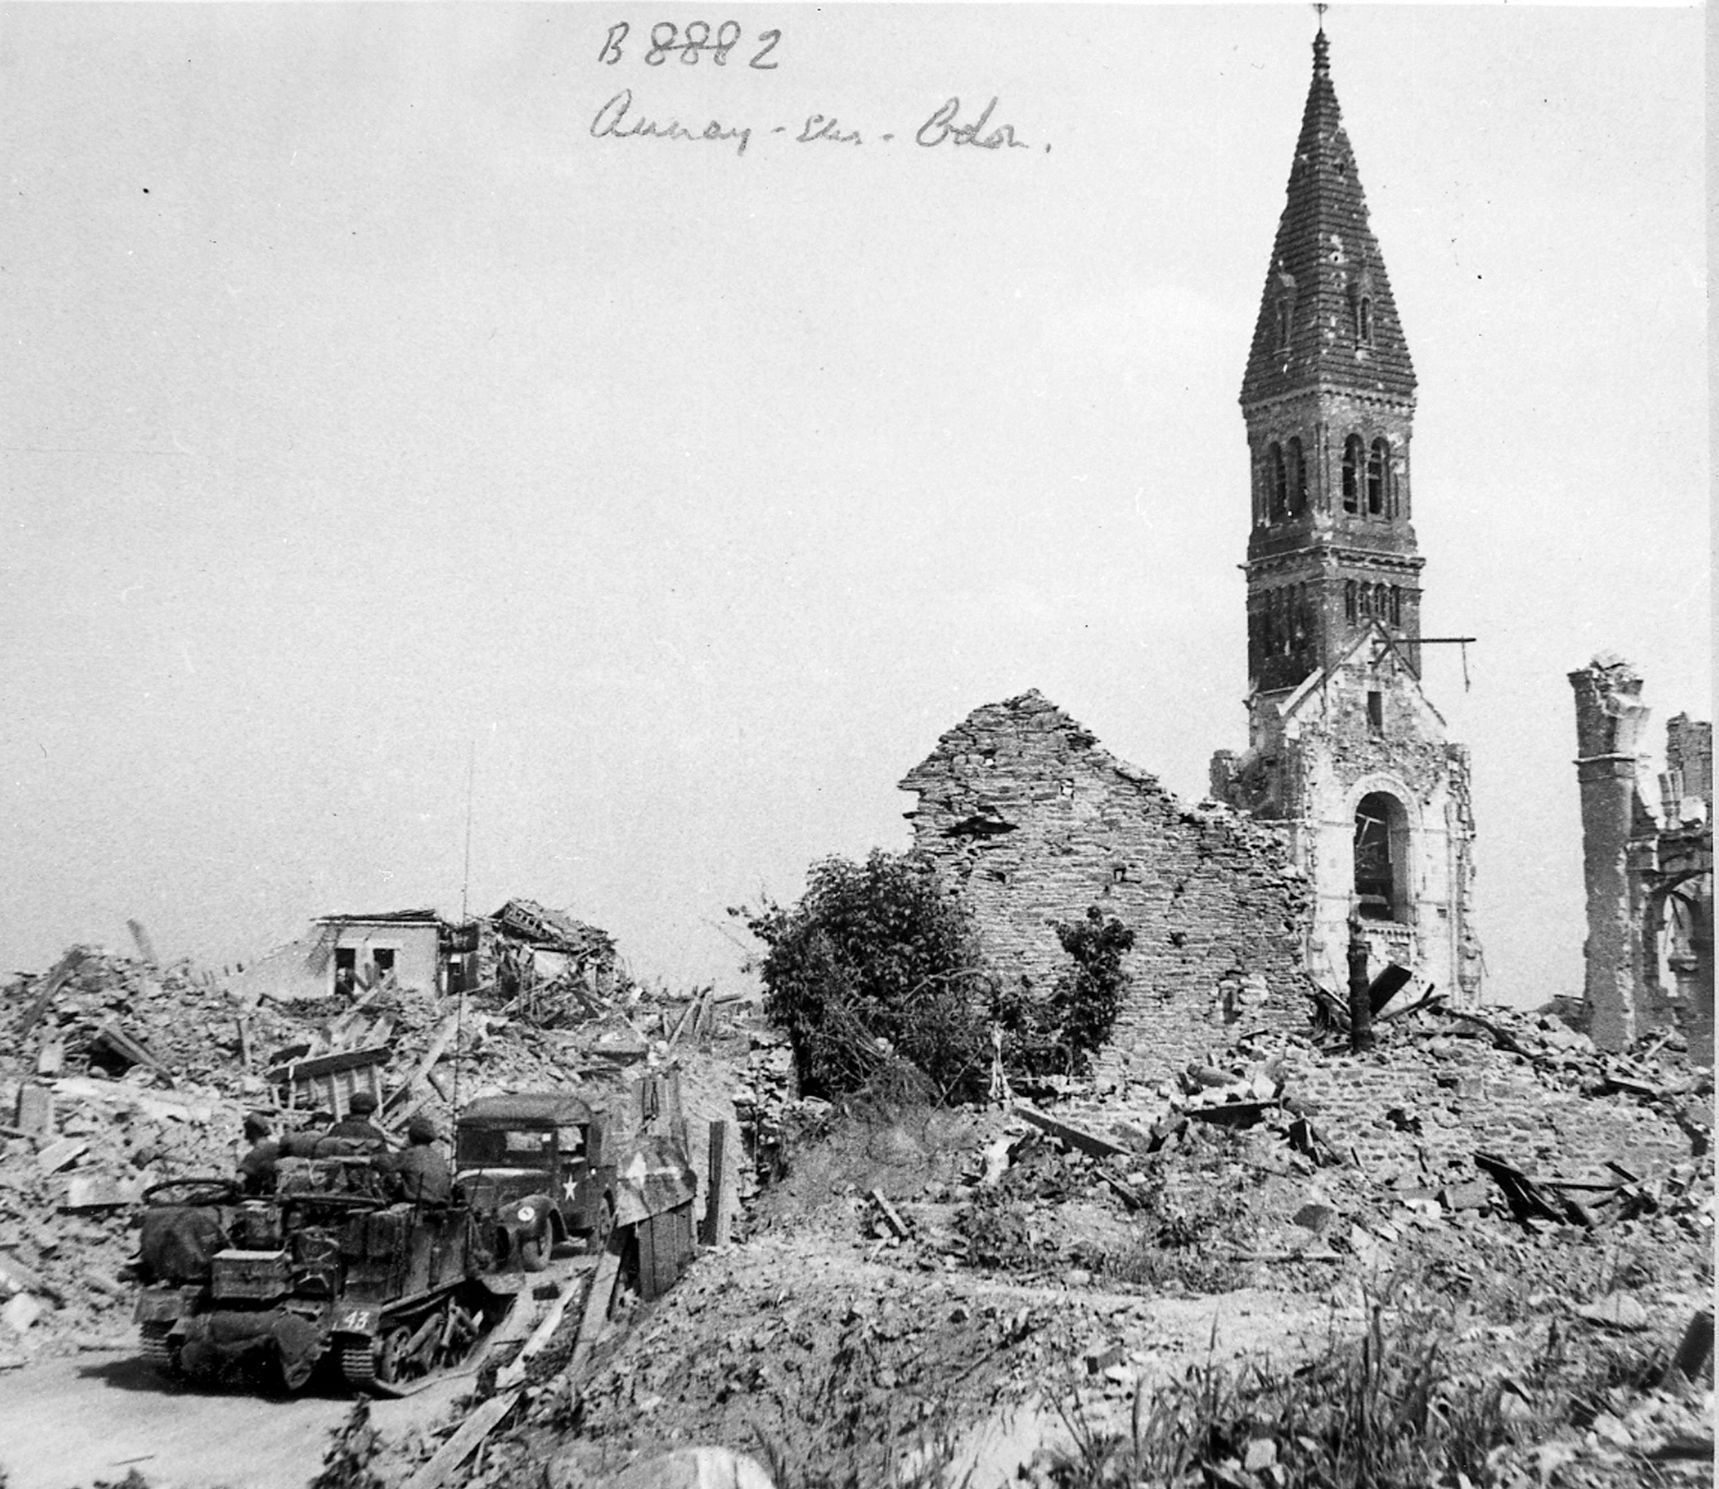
[[1033, 822]]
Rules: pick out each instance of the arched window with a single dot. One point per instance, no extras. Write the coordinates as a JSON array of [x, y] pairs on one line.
[[1297, 497], [1381, 601], [1381, 857], [1396, 605], [1378, 463], [1349, 610], [1285, 321], [1364, 321], [1352, 461], [1366, 596], [1279, 482]]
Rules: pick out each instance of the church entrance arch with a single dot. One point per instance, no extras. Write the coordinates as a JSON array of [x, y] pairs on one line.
[[1382, 858]]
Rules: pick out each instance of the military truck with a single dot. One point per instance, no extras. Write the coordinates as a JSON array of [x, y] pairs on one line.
[[546, 1168], [330, 1267], [541, 1167]]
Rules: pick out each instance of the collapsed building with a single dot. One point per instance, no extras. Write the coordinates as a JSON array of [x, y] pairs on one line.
[[522, 947], [1648, 872], [1033, 821]]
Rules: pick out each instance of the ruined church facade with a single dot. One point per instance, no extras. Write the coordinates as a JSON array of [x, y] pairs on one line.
[[1349, 803], [1345, 750]]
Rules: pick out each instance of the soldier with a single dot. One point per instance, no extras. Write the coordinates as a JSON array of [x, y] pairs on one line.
[[422, 1171], [257, 1167], [357, 1124]]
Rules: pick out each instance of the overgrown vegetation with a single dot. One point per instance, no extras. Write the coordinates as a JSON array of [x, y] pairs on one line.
[[1057, 1033], [1402, 1407], [876, 959], [877, 962], [353, 1446]]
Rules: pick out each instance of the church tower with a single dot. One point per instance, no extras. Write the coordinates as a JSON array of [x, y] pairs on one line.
[[1344, 747]]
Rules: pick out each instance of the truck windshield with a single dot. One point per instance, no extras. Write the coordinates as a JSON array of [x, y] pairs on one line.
[[480, 1147]]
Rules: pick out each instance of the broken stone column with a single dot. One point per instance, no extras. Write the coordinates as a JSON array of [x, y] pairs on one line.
[[1610, 717]]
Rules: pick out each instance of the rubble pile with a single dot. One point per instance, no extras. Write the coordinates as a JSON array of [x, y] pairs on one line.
[[117, 1073], [802, 1362], [115, 1013]]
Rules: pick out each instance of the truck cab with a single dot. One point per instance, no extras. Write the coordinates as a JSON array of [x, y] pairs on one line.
[[537, 1165]]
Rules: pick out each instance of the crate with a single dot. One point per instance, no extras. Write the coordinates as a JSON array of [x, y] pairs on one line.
[[251, 1274]]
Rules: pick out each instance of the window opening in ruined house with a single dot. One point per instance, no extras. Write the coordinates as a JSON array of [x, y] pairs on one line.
[[382, 958], [1352, 459], [1349, 602], [1376, 711], [1381, 853], [1119, 874], [1376, 462]]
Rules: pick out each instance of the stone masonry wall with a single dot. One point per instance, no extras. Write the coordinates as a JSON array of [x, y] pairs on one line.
[[1464, 1096], [1033, 823]]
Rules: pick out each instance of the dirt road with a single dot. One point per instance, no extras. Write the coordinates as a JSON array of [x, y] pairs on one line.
[[66, 1423]]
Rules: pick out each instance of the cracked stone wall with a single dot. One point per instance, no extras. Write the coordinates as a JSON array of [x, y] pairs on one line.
[[1033, 822]]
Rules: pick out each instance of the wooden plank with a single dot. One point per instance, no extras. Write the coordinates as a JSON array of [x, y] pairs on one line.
[[596, 1305], [1075, 1137], [513, 1373], [1386, 986], [714, 1231], [892, 1216], [330, 1064], [450, 1025], [464, 1442], [57, 979], [129, 1048], [145, 947]]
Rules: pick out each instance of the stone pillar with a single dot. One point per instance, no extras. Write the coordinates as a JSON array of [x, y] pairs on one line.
[[1609, 719]]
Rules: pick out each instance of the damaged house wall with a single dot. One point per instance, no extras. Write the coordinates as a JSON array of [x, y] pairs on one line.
[[1648, 874], [1033, 822]]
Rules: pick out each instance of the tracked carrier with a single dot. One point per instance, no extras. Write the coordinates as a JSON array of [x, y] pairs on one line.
[[330, 1268]]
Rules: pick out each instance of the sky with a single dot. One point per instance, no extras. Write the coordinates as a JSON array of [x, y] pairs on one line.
[[380, 416]]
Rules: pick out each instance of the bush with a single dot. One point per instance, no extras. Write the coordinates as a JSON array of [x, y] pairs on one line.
[[876, 960], [1058, 1033]]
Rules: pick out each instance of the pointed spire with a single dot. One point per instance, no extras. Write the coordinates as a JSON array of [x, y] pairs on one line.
[[1327, 318]]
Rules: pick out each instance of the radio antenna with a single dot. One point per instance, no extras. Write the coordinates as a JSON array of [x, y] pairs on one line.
[[466, 878], [465, 895]]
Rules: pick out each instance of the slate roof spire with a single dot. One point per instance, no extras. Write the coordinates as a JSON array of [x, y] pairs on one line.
[[1326, 319]]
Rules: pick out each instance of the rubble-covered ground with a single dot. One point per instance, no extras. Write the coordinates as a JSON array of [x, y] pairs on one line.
[[1235, 1286], [1471, 1254], [117, 1073]]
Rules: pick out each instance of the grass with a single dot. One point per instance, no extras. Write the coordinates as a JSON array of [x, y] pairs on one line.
[[1402, 1407]]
